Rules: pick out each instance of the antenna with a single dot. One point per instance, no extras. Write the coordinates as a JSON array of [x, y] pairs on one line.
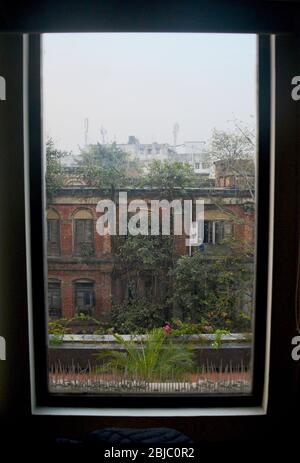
[[86, 131], [103, 132], [175, 133]]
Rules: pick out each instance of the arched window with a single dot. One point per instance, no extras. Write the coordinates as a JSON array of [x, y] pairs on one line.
[[83, 233], [84, 294], [53, 233]]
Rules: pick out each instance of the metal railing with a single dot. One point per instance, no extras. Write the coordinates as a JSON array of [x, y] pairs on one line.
[[208, 379]]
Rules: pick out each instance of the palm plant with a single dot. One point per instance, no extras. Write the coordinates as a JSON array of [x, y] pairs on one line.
[[157, 357]]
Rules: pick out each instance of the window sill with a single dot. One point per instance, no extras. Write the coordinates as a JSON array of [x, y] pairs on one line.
[[154, 412]]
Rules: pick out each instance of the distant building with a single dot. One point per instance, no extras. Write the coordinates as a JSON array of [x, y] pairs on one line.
[[192, 152], [235, 173], [145, 153]]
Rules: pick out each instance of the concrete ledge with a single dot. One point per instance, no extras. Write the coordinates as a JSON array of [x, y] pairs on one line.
[[234, 350], [106, 338]]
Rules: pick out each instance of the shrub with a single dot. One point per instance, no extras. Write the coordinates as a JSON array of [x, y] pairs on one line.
[[136, 316], [158, 357], [58, 328]]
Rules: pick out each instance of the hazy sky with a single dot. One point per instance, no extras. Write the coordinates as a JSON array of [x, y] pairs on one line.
[[142, 84]]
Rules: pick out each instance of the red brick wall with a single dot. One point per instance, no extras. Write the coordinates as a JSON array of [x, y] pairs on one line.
[[67, 270], [102, 286], [98, 269]]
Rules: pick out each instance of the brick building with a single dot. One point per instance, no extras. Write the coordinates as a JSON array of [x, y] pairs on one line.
[[235, 173], [81, 263]]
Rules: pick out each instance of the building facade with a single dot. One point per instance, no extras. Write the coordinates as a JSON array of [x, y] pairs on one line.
[[81, 263], [192, 152]]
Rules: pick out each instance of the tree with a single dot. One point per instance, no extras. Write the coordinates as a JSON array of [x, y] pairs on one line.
[[231, 146], [149, 258], [169, 177], [54, 170], [234, 155], [227, 270], [214, 290], [145, 260], [235, 152], [107, 167], [137, 316]]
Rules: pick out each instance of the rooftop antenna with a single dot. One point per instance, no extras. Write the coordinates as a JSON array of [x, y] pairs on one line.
[[86, 131], [103, 132], [175, 133]]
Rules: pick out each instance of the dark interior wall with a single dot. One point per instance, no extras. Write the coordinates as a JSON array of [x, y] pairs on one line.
[[14, 380], [283, 370], [169, 15]]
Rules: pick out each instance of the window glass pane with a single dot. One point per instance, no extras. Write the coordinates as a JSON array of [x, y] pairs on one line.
[[84, 298], [54, 300], [83, 237], [151, 168]]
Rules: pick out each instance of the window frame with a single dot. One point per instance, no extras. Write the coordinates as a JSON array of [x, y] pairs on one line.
[[78, 243], [215, 224], [86, 282], [58, 285], [39, 261]]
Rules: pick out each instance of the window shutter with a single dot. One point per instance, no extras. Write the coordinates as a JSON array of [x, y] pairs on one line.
[[56, 299], [84, 297], [219, 231], [80, 298], [88, 235], [79, 231], [53, 237], [83, 235], [79, 235]]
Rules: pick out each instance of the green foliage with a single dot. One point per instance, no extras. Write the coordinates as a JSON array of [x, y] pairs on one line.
[[169, 177], [146, 252], [149, 258], [212, 290], [57, 329], [180, 327], [54, 170], [158, 357], [218, 338], [136, 316], [62, 326], [146, 261], [107, 167]]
